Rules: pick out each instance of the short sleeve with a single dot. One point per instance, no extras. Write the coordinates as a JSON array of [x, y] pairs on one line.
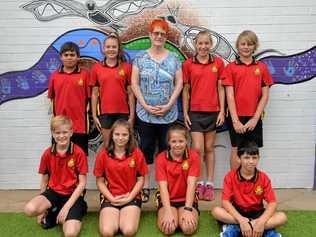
[[82, 162], [221, 67], [269, 195], [136, 61], [99, 168], [177, 62], [141, 164], [227, 192], [266, 76], [194, 169], [51, 91], [43, 167], [161, 172], [227, 76], [186, 71], [128, 73], [94, 75]]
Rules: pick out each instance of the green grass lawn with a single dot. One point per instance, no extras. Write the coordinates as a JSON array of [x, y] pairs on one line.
[[300, 224]]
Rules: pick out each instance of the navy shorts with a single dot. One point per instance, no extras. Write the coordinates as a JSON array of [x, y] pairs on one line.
[[76, 212], [203, 121], [255, 135], [107, 120]]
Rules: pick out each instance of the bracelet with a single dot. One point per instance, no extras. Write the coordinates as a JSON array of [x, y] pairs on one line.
[[188, 209]]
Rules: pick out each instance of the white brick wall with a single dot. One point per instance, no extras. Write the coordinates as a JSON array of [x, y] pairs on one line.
[[289, 128]]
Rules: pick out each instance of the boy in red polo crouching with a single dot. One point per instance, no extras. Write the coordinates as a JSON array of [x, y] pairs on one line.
[[243, 194], [63, 167]]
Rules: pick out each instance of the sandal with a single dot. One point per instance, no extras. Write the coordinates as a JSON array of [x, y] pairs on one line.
[[145, 195]]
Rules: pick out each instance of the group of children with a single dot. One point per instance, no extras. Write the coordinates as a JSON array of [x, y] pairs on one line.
[[120, 166]]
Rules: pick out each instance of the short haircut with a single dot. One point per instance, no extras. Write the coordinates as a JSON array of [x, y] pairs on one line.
[[159, 23], [178, 127], [130, 146], [250, 37], [248, 147], [58, 121], [202, 33], [70, 46]]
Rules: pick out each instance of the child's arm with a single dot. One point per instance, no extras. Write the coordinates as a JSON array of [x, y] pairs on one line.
[[44, 182], [238, 126], [101, 184], [94, 104], [131, 104], [185, 105], [251, 124], [73, 198], [221, 97], [259, 223], [242, 221], [188, 217]]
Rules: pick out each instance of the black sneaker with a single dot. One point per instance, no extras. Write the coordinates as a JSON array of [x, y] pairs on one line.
[[49, 221]]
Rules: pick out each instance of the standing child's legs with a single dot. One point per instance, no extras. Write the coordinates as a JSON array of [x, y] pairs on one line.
[[109, 221], [161, 214], [105, 136], [129, 220], [188, 228], [234, 161], [209, 140]]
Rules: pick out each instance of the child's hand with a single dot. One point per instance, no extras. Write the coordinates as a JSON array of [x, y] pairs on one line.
[[245, 228], [189, 221], [168, 222], [121, 199], [239, 127], [251, 124], [187, 121], [258, 227], [97, 123], [220, 119], [62, 215]]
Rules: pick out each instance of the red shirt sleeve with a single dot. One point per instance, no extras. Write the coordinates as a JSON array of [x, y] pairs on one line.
[[266, 76], [99, 169], [227, 192], [44, 164], [128, 73], [94, 75], [161, 172], [186, 71], [227, 76], [195, 164], [221, 67], [141, 164], [269, 195], [51, 92], [82, 162]]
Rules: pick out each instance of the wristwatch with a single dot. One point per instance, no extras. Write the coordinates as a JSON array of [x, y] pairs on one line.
[[188, 209]]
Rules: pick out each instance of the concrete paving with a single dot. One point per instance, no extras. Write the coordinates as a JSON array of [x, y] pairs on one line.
[[288, 199]]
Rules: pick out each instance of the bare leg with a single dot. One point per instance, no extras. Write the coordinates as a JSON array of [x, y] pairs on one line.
[[106, 136], [129, 220], [209, 141], [278, 219], [109, 221], [234, 161], [37, 207], [71, 228], [198, 144], [222, 215]]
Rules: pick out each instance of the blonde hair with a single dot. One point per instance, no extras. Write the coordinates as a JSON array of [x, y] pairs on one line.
[[203, 33], [250, 37], [58, 121]]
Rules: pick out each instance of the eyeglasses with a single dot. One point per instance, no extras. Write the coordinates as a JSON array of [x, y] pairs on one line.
[[158, 33]]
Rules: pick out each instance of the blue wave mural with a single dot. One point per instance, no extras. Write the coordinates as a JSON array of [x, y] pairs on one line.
[[34, 81]]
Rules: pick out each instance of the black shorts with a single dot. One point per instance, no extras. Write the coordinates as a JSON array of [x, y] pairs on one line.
[[137, 201], [80, 139], [250, 214], [177, 205], [107, 120], [203, 121], [76, 212], [255, 135]]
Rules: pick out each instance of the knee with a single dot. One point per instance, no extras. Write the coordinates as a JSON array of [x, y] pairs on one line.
[[282, 218], [216, 211], [187, 231], [107, 232], [71, 231], [128, 230], [30, 209]]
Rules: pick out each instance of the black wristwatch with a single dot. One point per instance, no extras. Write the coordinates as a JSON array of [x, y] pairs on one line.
[[188, 209]]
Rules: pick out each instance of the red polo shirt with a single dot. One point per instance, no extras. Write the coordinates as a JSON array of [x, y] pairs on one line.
[[112, 83], [176, 173], [203, 80], [70, 93], [247, 81], [248, 195], [120, 173], [64, 170]]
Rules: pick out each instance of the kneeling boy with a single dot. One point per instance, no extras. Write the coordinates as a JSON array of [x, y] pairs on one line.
[[63, 167], [243, 193]]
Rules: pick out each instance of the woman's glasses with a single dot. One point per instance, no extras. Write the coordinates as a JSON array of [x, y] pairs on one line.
[[158, 33]]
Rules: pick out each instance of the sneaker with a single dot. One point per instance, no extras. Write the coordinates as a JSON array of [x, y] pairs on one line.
[[230, 230], [49, 220], [209, 194], [200, 188], [271, 233]]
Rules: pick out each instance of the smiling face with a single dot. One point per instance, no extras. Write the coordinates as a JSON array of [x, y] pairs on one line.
[[245, 48], [62, 134], [203, 45], [120, 136], [158, 37], [111, 48], [177, 142], [70, 59]]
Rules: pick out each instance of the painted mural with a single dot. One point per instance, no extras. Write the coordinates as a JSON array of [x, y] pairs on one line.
[[112, 15]]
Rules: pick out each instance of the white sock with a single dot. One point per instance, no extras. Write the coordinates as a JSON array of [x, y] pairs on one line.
[[210, 183], [200, 182]]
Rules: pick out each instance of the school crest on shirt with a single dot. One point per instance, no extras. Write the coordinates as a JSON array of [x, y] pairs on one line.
[[80, 82], [185, 165], [258, 190], [257, 71], [132, 163], [122, 72], [71, 163], [214, 69]]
